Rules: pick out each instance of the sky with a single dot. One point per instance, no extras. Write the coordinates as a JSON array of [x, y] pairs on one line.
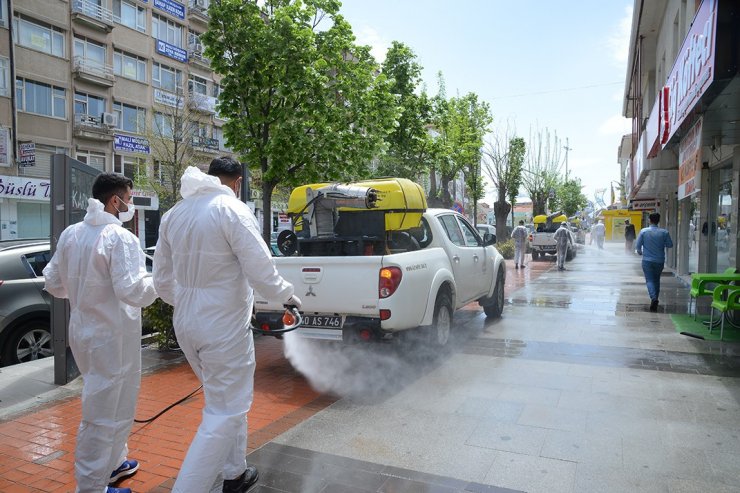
[[538, 63]]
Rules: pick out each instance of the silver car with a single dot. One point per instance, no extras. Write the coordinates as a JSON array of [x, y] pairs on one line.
[[25, 333]]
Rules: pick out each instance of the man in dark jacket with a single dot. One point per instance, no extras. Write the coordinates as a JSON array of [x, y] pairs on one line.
[[629, 235]]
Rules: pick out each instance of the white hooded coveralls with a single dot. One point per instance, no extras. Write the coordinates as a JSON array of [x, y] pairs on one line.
[[519, 235], [209, 255], [99, 266], [562, 239], [598, 231]]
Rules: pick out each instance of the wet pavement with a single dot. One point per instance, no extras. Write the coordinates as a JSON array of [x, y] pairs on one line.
[[577, 388]]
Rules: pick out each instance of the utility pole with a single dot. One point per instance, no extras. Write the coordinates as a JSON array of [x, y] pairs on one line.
[[566, 157]]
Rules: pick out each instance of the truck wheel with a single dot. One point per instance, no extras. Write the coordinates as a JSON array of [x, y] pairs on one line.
[[535, 255], [496, 307], [442, 322]]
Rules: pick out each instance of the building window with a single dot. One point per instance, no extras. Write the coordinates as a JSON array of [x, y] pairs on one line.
[[132, 167], [42, 99], [129, 66], [130, 118], [90, 51], [197, 85], [39, 36], [3, 13], [166, 78], [4, 76], [163, 125], [89, 105], [91, 158], [166, 30], [129, 14]]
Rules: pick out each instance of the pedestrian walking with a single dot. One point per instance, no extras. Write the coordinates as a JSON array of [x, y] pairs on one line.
[[209, 257], [651, 244], [100, 267], [519, 235], [563, 238], [629, 236], [598, 231]]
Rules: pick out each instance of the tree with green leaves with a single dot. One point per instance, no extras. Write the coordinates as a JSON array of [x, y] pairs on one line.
[[409, 144], [569, 197], [503, 158], [542, 168], [461, 123], [303, 102]]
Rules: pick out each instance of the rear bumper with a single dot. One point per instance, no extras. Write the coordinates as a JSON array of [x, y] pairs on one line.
[[349, 333]]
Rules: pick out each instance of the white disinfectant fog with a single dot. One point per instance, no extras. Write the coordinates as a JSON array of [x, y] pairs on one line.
[[363, 372]]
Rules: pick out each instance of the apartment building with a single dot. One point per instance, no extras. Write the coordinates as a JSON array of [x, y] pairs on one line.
[[106, 82], [683, 155]]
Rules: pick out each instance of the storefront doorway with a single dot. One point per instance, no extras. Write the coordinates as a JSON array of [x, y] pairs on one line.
[[722, 223]]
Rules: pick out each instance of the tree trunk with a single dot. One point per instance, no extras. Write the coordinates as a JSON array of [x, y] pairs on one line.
[[539, 202], [501, 210], [445, 197]]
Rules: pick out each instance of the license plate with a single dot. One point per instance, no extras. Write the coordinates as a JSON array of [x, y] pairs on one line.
[[328, 321]]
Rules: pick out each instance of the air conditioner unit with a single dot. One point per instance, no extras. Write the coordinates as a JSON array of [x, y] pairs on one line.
[[200, 4], [196, 47], [110, 119]]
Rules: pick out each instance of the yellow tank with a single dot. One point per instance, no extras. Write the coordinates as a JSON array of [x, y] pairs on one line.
[[401, 199]]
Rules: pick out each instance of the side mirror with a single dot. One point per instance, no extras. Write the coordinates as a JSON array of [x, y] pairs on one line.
[[489, 239]]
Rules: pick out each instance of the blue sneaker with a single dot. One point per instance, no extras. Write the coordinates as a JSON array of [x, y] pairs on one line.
[[128, 468], [117, 490]]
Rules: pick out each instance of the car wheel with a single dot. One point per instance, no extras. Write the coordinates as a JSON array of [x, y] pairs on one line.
[[30, 341], [535, 255], [569, 254], [442, 322], [496, 307]]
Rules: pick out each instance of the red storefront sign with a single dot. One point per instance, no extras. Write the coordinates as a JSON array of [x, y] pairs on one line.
[[692, 73]]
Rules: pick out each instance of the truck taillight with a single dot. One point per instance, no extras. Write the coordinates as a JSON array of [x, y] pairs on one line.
[[531, 237], [390, 278]]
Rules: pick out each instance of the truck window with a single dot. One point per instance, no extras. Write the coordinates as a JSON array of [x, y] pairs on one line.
[[472, 238], [449, 223]]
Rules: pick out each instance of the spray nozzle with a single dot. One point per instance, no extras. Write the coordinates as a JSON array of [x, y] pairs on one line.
[[291, 318]]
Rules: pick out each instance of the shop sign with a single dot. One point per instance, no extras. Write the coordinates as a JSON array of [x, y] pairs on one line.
[[693, 71], [26, 154], [171, 51], [644, 204], [689, 161], [20, 187], [127, 143], [168, 99], [171, 7]]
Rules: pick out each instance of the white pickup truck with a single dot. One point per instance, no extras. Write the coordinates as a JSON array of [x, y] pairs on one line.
[[440, 267]]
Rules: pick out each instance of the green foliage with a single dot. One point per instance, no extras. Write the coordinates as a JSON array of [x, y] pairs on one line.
[[506, 248], [513, 176], [158, 317], [303, 103], [569, 197], [409, 142]]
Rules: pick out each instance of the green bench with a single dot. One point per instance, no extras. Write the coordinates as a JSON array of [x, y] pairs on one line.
[[704, 284], [725, 298]]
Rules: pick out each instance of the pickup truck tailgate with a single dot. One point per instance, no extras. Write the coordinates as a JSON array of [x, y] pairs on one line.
[[326, 284]]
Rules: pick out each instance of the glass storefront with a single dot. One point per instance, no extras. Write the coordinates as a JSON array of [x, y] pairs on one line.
[[721, 201]]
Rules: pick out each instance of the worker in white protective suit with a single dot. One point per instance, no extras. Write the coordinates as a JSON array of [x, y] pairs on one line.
[[598, 232], [100, 267], [519, 235], [209, 256], [563, 239]]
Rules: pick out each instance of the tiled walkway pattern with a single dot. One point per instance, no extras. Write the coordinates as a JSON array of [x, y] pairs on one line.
[[37, 448]]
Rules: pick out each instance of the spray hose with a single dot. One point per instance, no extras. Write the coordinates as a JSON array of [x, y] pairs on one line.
[[168, 407]]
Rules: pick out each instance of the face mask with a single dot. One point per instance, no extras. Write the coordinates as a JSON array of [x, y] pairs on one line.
[[126, 215]]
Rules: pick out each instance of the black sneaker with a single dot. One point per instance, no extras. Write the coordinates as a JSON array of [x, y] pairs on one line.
[[242, 483], [654, 305]]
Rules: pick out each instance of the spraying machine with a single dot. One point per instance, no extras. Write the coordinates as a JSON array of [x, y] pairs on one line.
[[362, 218]]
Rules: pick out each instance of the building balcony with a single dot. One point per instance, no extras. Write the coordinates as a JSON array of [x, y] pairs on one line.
[[205, 144], [92, 128], [198, 11], [93, 72], [93, 15], [195, 57], [202, 103]]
